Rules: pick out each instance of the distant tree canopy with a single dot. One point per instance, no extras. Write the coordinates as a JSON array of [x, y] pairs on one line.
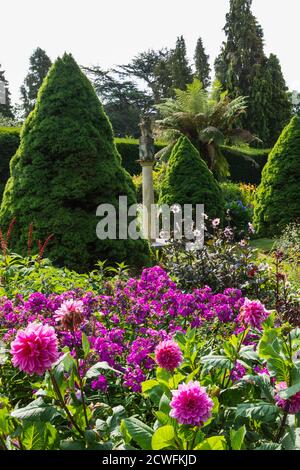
[[121, 89], [38, 69], [244, 70]]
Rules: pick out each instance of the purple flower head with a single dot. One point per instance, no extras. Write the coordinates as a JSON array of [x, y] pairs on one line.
[[100, 384], [168, 355], [35, 349], [252, 313], [190, 404]]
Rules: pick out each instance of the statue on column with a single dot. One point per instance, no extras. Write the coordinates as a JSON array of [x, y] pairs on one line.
[[146, 140]]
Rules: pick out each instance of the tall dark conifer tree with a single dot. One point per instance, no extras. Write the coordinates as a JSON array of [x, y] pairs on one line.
[[38, 69], [244, 70], [181, 71], [202, 68]]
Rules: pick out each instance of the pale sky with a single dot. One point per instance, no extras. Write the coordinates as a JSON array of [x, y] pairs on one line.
[[110, 32]]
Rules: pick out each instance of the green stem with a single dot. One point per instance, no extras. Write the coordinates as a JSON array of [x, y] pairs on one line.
[[63, 405], [283, 422], [81, 391]]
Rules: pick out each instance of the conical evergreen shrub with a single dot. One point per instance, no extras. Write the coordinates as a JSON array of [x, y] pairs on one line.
[[66, 166], [188, 180], [278, 196]]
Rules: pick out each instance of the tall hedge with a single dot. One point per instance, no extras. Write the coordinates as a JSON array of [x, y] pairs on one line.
[[188, 180], [66, 166], [9, 142], [278, 196]]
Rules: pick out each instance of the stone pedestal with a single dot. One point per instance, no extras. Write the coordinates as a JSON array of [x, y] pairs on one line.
[[148, 201]]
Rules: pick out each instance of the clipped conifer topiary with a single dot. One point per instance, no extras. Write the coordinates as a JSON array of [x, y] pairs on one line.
[[188, 180], [278, 196], [66, 166]]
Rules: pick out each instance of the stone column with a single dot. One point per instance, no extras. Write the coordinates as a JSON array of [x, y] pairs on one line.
[[147, 161], [148, 199]]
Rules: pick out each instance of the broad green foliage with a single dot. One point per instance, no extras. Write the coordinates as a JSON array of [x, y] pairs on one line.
[[206, 118], [277, 201], [66, 166], [189, 181]]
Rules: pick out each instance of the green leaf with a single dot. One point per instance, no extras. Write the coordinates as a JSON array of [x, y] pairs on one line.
[[212, 443], [279, 368], [237, 438], [33, 436], [260, 411], [162, 417], [96, 369], [163, 438], [140, 432], [269, 446], [72, 445], [216, 361], [36, 410], [85, 345], [247, 352], [149, 385], [164, 404], [269, 346], [163, 376]]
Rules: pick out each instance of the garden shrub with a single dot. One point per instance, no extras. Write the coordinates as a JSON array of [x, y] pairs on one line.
[[243, 169], [189, 181], [9, 142], [277, 198], [66, 166], [238, 203]]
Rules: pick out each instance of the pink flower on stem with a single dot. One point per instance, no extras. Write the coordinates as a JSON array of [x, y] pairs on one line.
[[190, 404], [292, 404], [168, 355], [70, 314], [35, 349], [252, 313]]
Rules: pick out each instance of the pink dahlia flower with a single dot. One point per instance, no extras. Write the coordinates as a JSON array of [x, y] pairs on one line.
[[190, 404], [70, 314], [168, 355], [35, 349], [252, 313], [293, 402]]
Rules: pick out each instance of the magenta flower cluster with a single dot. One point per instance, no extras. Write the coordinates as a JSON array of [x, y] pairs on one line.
[[35, 349], [252, 313], [190, 404], [168, 355], [127, 321]]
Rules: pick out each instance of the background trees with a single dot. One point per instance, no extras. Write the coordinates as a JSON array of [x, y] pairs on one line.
[[202, 67], [38, 69], [244, 70]]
